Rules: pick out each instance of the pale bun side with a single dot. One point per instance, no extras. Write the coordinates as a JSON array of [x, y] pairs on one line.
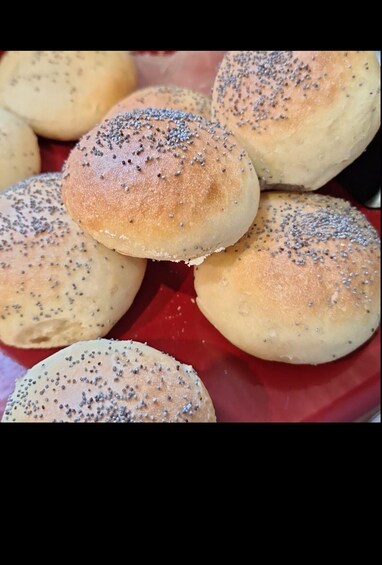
[[302, 286], [110, 381], [19, 150], [161, 184], [173, 97], [57, 285], [63, 94], [303, 116]]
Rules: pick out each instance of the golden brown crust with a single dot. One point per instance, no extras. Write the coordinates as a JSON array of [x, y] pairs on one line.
[[19, 150], [57, 285], [62, 94], [303, 116], [110, 381], [173, 97], [161, 184], [302, 286]]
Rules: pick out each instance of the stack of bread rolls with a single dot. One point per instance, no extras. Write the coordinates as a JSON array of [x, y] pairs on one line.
[[165, 173]]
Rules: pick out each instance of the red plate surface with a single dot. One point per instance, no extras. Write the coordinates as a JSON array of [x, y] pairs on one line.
[[243, 388]]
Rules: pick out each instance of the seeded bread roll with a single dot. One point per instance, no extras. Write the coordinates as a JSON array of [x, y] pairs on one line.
[[57, 285], [303, 116], [19, 151], [302, 286], [161, 184], [110, 381], [172, 97], [62, 94]]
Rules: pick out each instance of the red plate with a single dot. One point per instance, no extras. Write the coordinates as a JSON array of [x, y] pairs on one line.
[[243, 388]]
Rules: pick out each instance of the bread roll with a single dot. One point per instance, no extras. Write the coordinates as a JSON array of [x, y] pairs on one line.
[[302, 286], [110, 381], [57, 285], [172, 97], [19, 151], [161, 184], [303, 116], [63, 94]]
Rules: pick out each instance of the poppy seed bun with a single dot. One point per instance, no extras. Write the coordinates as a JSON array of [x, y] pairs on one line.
[[161, 184], [302, 286], [62, 94], [172, 97], [57, 285], [303, 116], [110, 381], [19, 151]]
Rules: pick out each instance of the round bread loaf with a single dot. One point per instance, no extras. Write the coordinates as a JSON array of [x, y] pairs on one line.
[[110, 381], [63, 94], [57, 285], [19, 151], [303, 116], [302, 286], [161, 184], [172, 97]]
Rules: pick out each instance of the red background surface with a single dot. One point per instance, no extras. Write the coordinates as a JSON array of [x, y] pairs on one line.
[[243, 388]]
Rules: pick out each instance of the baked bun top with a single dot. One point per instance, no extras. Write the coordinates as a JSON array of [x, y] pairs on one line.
[[19, 150], [303, 116], [161, 184], [57, 285], [173, 97], [110, 381], [302, 286], [62, 94]]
